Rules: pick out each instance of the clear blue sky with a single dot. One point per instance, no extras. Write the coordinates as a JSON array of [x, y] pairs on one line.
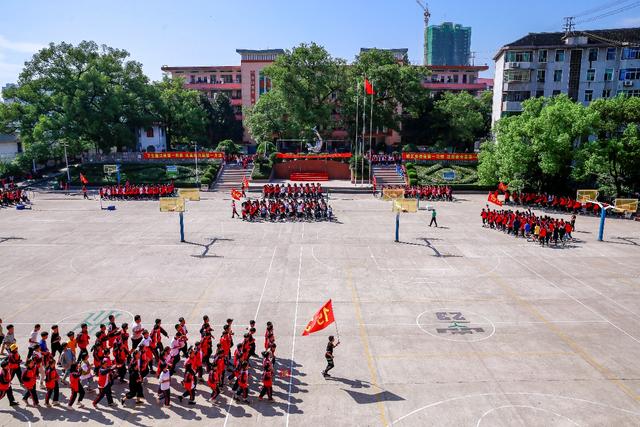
[[197, 32]]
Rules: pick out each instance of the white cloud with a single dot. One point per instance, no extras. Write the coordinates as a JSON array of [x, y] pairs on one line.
[[630, 22], [24, 47]]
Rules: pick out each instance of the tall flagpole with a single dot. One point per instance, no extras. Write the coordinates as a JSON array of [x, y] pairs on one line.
[[371, 130], [364, 129], [355, 169]]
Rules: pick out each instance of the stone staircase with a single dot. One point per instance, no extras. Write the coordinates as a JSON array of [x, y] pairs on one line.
[[231, 177], [387, 175]]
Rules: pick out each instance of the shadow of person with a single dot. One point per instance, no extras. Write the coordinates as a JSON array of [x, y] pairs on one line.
[[350, 383]]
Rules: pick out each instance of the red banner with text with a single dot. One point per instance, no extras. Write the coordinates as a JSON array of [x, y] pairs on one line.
[[456, 157], [184, 155]]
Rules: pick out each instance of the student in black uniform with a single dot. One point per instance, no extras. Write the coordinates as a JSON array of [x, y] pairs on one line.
[[329, 355]]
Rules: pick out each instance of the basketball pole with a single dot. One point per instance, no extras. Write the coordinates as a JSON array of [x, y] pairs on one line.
[[397, 227], [181, 227]]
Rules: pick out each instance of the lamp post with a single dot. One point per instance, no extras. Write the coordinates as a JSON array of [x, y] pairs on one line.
[[196, 154], [66, 161]]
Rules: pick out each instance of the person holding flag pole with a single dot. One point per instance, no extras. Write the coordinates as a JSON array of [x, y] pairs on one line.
[[323, 318], [370, 91]]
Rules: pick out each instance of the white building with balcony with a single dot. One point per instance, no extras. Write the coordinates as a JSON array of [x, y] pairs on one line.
[[152, 139], [584, 65]]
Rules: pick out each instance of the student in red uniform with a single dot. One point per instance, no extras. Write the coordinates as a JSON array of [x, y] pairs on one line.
[[51, 383], [83, 341], [29, 377], [104, 384], [76, 387], [243, 383], [14, 362], [267, 383], [189, 383], [5, 383], [213, 381]]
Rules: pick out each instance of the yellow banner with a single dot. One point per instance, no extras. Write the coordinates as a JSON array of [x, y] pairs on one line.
[[191, 194], [171, 204]]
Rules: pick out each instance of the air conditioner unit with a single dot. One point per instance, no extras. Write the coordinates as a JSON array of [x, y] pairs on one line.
[[514, 65], [627, 83]]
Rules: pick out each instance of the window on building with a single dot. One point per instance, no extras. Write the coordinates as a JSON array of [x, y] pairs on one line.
[[630, 74], [542, 56], [227, 78], [634, 92], [149, 132], [588, 95], [631, 53], [192, 79], [541, 76], [593, 54], [557, 76], [264, 84], [606, 93], [608, 74], [611, 53], [556, 92], [464, 79], [540, 94], [591, 74], [519, 56], [560, 55], [515, 96], [517, 76], [238, 78], [212, 78]]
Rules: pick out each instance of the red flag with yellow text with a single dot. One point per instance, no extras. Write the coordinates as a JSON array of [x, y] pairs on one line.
[[235, 194], [322, 319], [83, 179], [493, 198]]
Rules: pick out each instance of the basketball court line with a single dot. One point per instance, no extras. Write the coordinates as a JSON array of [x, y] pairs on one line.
[[572, 297], [264, 287], [604, 371], [593, 289], [527, 407], [475, 354], [365, 342], [295, 333], [482, 395]]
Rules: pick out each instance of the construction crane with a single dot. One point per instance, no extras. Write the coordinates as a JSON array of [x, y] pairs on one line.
[[427, 15]]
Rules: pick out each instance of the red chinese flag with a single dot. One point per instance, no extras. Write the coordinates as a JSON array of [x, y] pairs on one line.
[[322, 319], [368, 87], [235, 194], [245, 182], [502, 187], [493, 198], [83, 179]]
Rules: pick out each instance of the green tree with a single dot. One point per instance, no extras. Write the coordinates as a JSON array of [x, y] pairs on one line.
[[220, 120], [305, 80], [468, 118], [537, 147], [266, 148], [612, 158], [85, 96], [397, 85], [180, 111], [228, 147], [267, 120]]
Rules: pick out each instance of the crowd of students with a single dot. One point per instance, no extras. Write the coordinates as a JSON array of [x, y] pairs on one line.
[[424, 192], [12, 195], [118, 355], [305, 191], [550, 201], [541, 229], [137, 192], [284, 209]]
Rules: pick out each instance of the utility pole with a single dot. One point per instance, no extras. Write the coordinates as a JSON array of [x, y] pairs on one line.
[[66, 161], [569, 25]]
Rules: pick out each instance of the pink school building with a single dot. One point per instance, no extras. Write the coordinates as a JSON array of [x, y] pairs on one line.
[[244, 84]]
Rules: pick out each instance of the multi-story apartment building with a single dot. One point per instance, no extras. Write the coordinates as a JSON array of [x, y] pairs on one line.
[[455, 78], [584, 65], [448, 44], [242, 84]]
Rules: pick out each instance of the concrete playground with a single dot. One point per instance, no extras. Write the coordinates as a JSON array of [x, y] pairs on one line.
[[454, 326]]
